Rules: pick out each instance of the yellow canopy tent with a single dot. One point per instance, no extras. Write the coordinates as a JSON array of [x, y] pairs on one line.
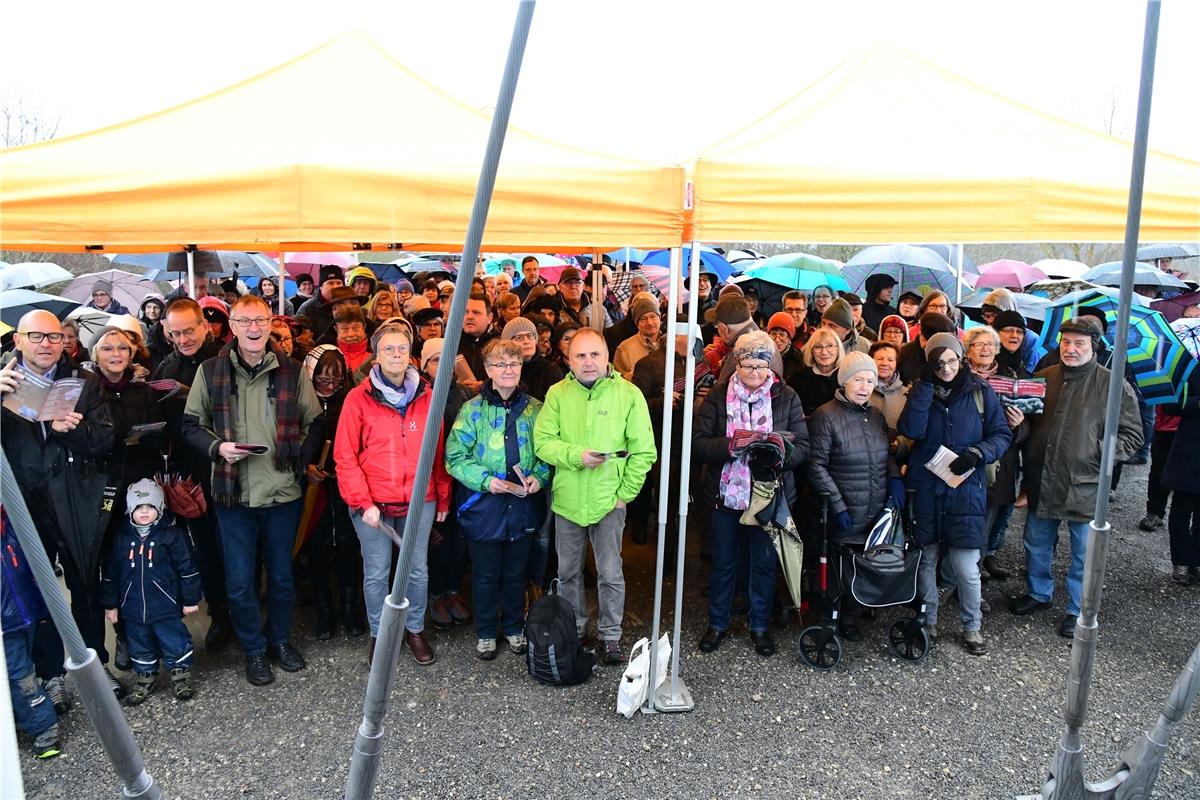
[[888, 147], [230, 171]]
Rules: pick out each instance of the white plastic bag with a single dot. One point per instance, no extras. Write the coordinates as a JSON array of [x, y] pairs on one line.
[[635, 686]]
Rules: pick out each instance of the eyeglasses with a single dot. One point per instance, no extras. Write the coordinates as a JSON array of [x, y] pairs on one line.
[[186, 333], [525, 337], [754, 367], [940, 308], [446, 296], [99, 294], [947, 364], [824, 347], [37, 336], [984, 345], [394, 350], [251, 322], [326, 381], [509, 366]]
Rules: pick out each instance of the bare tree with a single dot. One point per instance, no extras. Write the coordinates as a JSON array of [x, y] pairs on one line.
[[25, 121]]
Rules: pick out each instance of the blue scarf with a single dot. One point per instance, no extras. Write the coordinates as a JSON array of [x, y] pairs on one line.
[[396, 396]]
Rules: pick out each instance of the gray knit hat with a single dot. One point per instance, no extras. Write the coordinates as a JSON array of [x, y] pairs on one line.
[[517, 325], [144, 493], [855, 362], [943, 341], [840, 314]]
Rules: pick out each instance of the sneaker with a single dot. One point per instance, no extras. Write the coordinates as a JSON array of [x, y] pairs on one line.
[[459, 611], [973, 643], [60, 696], [287, 656], [1181, 575], [114, 684], [142, 689], [1150, 522], [486, 649], [121, 657], [181, 680], [517, 644], [258, 671], [46, 744], [610, 652], [439, 613]]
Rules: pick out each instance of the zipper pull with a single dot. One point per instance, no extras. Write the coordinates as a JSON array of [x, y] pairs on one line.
[[12, 554]]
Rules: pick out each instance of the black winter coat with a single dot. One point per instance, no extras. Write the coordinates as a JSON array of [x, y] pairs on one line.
[[813, 388], [181, 368], [848, 460], [711, 445], [1181, 473], [538, 375], [135, 404]]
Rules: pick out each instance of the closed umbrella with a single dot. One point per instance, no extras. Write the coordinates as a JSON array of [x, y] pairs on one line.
[[16, 303], [31, 275], [1109, 274], [1009, 274], [127, 289], [913, 268]]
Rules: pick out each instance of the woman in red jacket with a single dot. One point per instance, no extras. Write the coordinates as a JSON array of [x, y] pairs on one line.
[[378, 442]]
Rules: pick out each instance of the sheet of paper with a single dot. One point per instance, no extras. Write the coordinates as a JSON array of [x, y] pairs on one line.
[[940, 465]]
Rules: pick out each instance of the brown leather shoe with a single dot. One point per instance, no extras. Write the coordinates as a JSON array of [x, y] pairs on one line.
[[421, 650]]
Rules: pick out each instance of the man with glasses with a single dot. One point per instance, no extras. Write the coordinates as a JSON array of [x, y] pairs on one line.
[[185, 328], [576, 303], [795, 305], [595, 429], [248, 399], [103, 300], [38, 453]]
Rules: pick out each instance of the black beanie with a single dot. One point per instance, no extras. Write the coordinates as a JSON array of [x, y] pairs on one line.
[[1008, 319], [933, 322], [330, 272]]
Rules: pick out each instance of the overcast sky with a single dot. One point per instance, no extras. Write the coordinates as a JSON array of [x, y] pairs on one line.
[[598, 72]]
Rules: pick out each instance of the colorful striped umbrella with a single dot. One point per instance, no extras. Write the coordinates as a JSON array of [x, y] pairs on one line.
[[1158, 359]]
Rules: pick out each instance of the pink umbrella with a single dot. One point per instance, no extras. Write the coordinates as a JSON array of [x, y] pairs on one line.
[[310, 263], [1009, 274]]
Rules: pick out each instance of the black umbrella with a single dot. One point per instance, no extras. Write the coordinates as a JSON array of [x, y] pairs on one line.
[[16, 303], [82, 501]]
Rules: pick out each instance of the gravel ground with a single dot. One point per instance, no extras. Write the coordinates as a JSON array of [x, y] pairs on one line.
[[953, 726]]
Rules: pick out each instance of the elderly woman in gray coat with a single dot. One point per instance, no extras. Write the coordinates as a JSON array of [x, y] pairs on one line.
[[851, 465]]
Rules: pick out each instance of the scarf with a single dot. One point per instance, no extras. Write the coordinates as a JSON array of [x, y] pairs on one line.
[[223, 389], [944, 392], [118, 386], [745, 410], [987, 372], [396, 396], [355, 353]]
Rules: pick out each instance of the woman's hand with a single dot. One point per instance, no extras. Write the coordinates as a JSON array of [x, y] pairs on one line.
[[532, 484], [111, 615], [496, 486], [68, 423], [371, 516], [441, 516], [1015, 416]]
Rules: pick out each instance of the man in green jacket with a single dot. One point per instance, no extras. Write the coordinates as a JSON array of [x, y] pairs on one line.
[[248, 397], [595, 430]]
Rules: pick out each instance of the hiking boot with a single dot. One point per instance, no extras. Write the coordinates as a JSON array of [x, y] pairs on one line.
[[422, 652], [764, 645], [46, 744], [117, 687], [439, 613], [142, 689], [218, 633], [945, 594], [1027, 604], [121, 657], [995, 570], [973, 643], [459, 611], [711, 640], [181, 680], [1181, 575], [1066, 626], [850, 630], [1150, 522], [609, 652], [517, 645], [258, 671], [288, 657], [60, 696], [931, 633], [486, 649]]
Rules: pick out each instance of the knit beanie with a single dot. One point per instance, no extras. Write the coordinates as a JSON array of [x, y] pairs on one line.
[[102, 286], [444, 285], [144, 493], [515, 326], [783, 320], [942, 341], [839, 314], [643, 303], [431, 348], [414, 304], [853, 363], [1008, 319], [330, 272], [893, 321], [934, 322], [404, 284]]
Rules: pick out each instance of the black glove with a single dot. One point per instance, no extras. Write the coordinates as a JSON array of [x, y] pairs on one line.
[[965, 462], [928, 372], [763, 463]]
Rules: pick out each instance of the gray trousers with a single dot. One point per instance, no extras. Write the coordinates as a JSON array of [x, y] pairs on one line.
[[571, 545], [962, 567]]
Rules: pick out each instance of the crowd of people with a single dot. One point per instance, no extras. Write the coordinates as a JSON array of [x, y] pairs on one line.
[[294, 433]]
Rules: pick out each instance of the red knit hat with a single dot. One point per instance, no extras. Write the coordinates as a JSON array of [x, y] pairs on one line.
[[782, 319]]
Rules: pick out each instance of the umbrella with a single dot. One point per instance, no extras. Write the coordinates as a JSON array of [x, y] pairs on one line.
[[659, 277], [745, 254], [1188, 331], [1173, 307], [154, 263], [797, 271], [1029, 306], [15, 303], [1009, 274], [430, 265], [1109, 274], [310, 263], [969, 266], [710, 261], [1157, 358], [90, 322], [1054, 289], [1061, 267], [384, 271], [35, 274], [127, 289], [620, 285], [1153, 252], [913, 268], [627, 255], [247, 264]]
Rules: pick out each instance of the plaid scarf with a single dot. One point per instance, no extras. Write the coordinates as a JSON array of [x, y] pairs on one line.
[[222, 388]]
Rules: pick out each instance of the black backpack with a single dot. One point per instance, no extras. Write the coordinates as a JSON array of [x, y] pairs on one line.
[[554, 655]]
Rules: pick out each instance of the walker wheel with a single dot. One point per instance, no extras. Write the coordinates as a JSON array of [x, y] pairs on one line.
[[907, 639], [820, 647]]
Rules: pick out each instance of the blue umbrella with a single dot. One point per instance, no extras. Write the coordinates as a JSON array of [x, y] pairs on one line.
[[388, 273], [1109, 274], [710, 261], [627, 255], [911, 267], [253, 281], [154, 263]]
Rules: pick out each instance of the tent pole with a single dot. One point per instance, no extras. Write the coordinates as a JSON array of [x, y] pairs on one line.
[[958, 255], [86, 670], [675, 259], [368, 745], [1136, 775], [191, 262], [281, 290], [676, 696]]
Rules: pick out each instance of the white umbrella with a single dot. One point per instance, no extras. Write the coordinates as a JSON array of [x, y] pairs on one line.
[[1061, 267], [127, 289], [90, 322], [31, 274]]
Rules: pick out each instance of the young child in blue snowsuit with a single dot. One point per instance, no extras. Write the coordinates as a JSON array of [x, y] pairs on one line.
[[21, 607], [153, 581]]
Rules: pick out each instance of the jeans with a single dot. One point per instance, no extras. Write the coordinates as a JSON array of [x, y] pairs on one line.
[[996, 524], [167, 639], [32, 709], [1184, 526], [498, 572], [729, 538], [377, 554], [1146, 412], [244, 532], [571, 544], [961, 566], [1041, 537], [1157, 494]]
